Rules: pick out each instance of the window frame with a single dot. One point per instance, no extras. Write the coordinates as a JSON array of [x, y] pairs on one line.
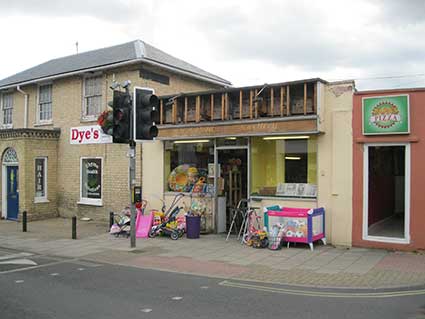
[[41, 199], [91, 117], [86, 200], [3, 124], [39, 121], [281, 185], [169, 147]]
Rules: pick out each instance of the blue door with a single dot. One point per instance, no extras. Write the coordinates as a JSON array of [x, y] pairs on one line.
[[12, 192]]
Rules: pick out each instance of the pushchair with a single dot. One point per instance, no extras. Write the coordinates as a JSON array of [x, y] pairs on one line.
[[170, 217], [253, 235], [121, 226]]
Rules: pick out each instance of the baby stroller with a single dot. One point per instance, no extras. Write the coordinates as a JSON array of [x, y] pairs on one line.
[[170, 217], [121, 226]]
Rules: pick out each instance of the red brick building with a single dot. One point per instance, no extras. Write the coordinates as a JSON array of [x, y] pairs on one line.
[[388, 171]]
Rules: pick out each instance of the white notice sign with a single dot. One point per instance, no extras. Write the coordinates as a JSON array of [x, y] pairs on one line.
[[88, 135]]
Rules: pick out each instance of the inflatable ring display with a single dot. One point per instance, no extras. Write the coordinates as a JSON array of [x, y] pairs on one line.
[[182, 178]]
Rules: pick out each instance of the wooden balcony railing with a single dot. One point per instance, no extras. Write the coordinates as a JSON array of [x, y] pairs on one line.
[[269, 101]]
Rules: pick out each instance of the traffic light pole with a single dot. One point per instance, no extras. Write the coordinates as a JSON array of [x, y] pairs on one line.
[[132, 178], [140, 122], [132, 173]]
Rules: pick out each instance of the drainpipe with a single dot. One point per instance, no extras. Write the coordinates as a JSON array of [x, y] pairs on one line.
[[26, 106]]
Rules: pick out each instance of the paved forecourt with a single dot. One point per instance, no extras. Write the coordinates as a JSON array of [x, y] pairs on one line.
[[212, 256]]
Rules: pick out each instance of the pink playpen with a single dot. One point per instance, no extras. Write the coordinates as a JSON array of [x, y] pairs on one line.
[[301, 225]]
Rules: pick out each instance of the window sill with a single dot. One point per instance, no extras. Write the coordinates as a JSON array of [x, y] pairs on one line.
[[188, 194], [43, 123], [90, 203], [88, 119], [279, 197], [41, 200]]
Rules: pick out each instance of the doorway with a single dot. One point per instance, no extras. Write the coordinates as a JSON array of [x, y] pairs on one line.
[[10, 184], [387, 194], [232, 179], [12, 192]]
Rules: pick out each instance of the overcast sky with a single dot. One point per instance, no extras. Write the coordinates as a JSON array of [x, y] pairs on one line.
[[380, 43]]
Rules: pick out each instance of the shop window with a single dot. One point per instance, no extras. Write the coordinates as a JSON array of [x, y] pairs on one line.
[[91, 181], [40, 179], [296, 161], [186, 166], [284, 166], [92, 97]]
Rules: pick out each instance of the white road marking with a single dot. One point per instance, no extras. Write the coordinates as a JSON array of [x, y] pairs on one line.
[[204, 287], [177, 298], [36, 267], [87, 263], [11, 256], [54, 274], [146, 310], [81, 269], [326, 294], [19, 262], [19, 281]]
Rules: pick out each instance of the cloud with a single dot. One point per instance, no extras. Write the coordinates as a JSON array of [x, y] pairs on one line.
[[118, 10], [393, 12], [246, 42], [317, 37]]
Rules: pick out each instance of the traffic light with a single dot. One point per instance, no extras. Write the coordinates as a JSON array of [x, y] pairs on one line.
[[146, 114], [121, 106]]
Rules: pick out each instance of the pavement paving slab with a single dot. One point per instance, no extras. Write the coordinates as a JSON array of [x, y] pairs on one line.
[[212, 255]]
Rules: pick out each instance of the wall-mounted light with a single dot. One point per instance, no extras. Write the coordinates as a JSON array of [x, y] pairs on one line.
[[230, 138], [292, 158], [288, 137], [191, 141]]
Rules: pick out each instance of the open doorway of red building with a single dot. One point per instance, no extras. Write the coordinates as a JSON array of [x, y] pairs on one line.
[[386, 212]]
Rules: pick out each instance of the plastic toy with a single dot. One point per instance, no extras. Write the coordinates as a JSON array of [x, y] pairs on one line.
[[258, 239], [143, 224], [253, 235]]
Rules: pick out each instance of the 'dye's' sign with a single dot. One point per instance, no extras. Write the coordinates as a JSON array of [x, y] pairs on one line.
[[88, 135]]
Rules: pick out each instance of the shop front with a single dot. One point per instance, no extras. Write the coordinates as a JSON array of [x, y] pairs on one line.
[[217, 173], [275, 159], [388, 174]]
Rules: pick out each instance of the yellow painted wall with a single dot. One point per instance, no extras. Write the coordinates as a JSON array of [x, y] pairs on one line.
[[335, 160], [153, 173], [312, 161]]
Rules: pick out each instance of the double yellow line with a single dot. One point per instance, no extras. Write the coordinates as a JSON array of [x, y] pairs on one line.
[[312, 293]]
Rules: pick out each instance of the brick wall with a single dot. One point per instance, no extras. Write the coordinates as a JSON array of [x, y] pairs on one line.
[[64, 172]]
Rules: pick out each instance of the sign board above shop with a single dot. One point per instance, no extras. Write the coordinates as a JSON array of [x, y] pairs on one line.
[[386, 115], [88, 135]]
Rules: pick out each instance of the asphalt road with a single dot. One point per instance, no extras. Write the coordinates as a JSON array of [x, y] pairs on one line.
[[56, 288]]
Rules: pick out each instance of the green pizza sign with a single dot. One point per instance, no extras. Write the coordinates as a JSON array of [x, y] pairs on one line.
[[386, 115]]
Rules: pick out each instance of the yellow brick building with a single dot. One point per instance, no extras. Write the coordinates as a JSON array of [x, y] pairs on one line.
[[43, 171]]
